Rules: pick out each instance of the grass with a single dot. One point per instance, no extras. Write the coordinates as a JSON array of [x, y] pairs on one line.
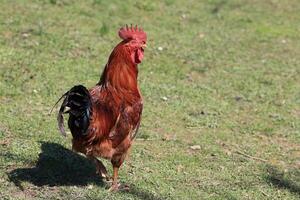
[[221, 86]]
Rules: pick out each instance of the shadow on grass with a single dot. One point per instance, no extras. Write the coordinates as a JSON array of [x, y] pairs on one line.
[[286, 180], [57, 166]]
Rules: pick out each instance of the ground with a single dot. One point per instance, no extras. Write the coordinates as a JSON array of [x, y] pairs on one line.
[[221, 88]]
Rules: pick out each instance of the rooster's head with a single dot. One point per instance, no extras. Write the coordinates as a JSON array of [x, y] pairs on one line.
[[135, 41]]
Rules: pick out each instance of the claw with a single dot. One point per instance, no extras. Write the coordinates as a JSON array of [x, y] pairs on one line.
[[119, 187], [114, 187]]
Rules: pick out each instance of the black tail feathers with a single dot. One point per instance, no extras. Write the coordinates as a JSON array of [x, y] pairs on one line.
[[78, 100]]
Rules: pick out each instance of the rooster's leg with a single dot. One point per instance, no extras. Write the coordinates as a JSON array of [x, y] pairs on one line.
[[116, 162], [100, 168], [115, 184]]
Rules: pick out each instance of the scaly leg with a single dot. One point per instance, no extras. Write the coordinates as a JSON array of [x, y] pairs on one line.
[[117, 161], [115, 184]]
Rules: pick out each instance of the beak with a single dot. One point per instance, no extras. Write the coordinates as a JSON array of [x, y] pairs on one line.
[[144, 46]]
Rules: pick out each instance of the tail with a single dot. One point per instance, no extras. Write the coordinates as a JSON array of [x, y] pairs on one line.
[[78, 100]]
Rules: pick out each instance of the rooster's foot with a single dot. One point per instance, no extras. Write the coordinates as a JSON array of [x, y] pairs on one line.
[[114, 187], [118, 187]]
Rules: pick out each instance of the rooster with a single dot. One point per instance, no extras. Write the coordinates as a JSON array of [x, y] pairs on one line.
[[105, 119]]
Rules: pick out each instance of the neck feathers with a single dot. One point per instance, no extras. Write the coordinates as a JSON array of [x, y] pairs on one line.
[[120, 72]]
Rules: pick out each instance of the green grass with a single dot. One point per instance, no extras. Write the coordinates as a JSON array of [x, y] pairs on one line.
[[226, 80]]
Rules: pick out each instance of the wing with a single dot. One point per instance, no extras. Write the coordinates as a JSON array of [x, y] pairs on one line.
[[114, 118], [139, 110], [103, 116], [128, 121]]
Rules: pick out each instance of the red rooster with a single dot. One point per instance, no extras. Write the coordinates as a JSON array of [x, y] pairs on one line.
[[105, 119]]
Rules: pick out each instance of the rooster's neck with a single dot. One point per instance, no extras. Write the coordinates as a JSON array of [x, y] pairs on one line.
[[120, 73], [121, 76]]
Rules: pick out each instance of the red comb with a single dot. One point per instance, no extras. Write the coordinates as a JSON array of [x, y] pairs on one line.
[[132, 33]]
